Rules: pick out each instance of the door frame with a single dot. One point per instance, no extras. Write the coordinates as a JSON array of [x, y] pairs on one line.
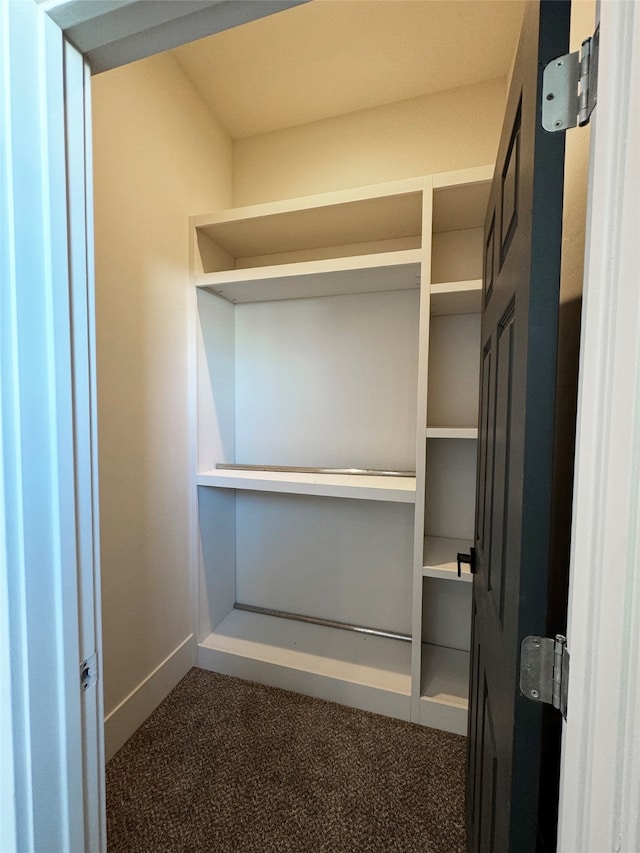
[[600, 775], [604, 691]]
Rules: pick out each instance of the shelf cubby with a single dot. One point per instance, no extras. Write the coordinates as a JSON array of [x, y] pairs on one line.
[[355, 222], [444, 688], [439, 560]]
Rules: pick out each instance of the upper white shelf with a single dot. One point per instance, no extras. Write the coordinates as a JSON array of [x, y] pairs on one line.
[[379, 213], [370, 488], [456, 297], [359, 274]]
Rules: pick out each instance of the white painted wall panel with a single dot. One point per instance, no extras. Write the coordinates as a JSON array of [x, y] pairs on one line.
[[328, 382], [450, 488], [336, 559], [454, 364]]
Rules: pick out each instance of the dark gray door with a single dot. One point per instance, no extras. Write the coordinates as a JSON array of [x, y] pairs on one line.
[[508, 761]]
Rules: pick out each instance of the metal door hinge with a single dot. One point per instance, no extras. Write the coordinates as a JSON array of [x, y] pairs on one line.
[[544, 671], [89, 671], [570, 87]]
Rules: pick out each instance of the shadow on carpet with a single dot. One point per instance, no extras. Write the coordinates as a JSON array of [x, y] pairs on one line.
[[229, 766]]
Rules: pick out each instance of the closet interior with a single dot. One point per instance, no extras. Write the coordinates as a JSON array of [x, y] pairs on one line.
[[289, 250]]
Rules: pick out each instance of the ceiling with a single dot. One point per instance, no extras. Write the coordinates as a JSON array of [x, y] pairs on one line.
[[330, 57]]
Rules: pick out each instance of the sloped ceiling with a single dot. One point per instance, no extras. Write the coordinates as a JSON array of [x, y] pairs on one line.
[[330, 57]]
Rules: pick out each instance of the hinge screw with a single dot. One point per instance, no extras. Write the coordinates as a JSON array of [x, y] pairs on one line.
[[535, 694]]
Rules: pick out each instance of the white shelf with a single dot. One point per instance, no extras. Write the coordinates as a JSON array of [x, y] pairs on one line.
[[452, 432], [363, 671], [362, 487], [357, 274], [456, 297], [444, 688], [439, 559], [370, 214]]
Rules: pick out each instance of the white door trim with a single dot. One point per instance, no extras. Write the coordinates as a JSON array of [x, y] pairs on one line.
[[600, 782], [49, 580]]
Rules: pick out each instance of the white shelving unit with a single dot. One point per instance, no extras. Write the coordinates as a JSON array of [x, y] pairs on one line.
[[340, 332]]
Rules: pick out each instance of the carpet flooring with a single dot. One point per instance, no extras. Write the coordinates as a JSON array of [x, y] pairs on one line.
[[229, 766]]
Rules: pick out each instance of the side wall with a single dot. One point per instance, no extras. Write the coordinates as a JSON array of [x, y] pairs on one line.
[[420, 136], [159, 157]]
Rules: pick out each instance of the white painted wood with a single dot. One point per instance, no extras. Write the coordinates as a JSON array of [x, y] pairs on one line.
[[358, 670], [216, 381], [450, 488], [328, 382], [129, 715], [348, 216], [360, 274], [600, 779], [396, 489], [466, 177], [53, 794], [444, 690], [421, 449], [320, 253], [452, 432], [216, 568], [457, 256], [456, 297], [440, 561], [460, 208], [345, 560], [446, 613], [454, 355], [82, 304]]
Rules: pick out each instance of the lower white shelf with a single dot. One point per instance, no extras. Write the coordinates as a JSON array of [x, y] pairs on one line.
[[363, 487], [361, 671], [444, 688], [440, 561], [452, 432]]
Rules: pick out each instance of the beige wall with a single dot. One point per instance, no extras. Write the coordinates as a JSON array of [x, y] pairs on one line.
[[432, 133], [159, 156]]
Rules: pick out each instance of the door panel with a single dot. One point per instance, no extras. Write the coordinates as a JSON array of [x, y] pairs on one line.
[[515, 462]]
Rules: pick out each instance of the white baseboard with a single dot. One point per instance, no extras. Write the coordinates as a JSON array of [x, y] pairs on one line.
[[126, 717]]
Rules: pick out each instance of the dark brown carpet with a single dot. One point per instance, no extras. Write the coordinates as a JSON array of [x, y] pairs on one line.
[[228, 765]]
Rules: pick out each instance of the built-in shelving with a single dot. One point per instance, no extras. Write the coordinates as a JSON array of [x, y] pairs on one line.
[[372, 488], [342, 330]]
